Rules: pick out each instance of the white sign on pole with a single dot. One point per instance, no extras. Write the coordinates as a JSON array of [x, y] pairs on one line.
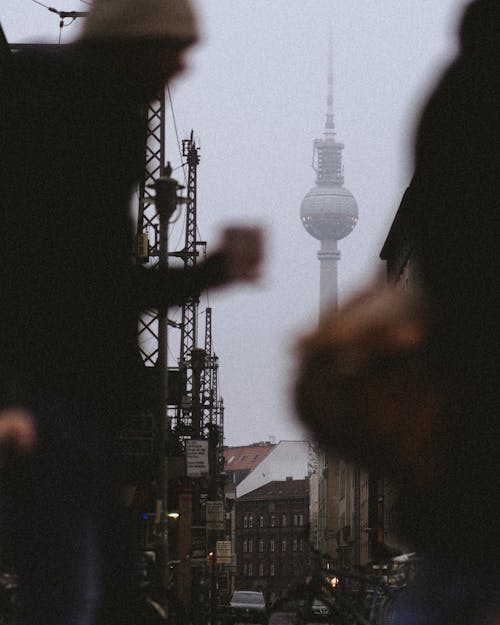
[[196, 458], [215, 515], [223, 551]]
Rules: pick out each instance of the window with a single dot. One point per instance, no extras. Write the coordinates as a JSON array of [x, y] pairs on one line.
[[245, 546], [295, 544], [272, 570], [301, 545], [301, 520], [250, 546], [250, 570], [295, 520], [261, 546], [272, 544], [250, 521], [261, 521], [273, 521], [283, 520], [261, 569], [245, 521], [283, 545], [245, 569]]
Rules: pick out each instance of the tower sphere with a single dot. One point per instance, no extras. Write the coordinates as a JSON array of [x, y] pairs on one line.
[[329, 212]]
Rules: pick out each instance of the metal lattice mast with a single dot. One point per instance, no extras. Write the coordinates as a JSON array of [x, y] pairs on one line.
[[218, 412], [148, 240], [212, 407], [153, 218], [189, 254], [209, 377]]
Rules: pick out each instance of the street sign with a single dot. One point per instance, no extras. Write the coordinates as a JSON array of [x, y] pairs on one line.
[[214, 515], [196, 458], [198, 543], [223, 551]]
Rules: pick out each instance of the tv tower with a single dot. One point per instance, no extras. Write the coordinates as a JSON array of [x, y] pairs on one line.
[[328, 211]]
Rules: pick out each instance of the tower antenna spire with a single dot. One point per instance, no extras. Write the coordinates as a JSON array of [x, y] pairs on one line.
[[329, 123]]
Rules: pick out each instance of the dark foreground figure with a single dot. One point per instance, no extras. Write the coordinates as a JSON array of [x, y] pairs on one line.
[[448, 422], [73, 131]]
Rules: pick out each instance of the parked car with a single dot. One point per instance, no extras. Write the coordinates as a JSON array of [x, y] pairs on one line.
[[246, 606], [316, 612]]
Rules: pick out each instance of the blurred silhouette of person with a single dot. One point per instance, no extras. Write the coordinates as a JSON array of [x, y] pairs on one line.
[[417, 377], [73, 134]]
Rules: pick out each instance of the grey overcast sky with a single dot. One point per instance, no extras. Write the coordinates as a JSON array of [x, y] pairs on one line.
[[255, 95]]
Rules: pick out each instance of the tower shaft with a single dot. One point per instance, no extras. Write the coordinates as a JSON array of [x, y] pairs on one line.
[[328, 257]]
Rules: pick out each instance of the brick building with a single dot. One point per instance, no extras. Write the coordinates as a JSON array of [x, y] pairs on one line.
[[272, 548]]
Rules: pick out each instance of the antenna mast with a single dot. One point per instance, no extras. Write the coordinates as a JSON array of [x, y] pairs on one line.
[[189, 254]]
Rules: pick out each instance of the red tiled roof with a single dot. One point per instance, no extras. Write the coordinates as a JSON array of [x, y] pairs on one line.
[[246, 458], [279, 489]]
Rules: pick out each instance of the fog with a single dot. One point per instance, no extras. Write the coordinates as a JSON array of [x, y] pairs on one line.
[[255, 96]]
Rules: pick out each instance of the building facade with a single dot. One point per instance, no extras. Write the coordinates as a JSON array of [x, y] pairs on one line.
[[402, 271], [272, 538], [347, 512]]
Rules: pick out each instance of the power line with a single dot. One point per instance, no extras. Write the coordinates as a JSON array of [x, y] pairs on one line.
[[175, 127], [44, 5], [62, 14]]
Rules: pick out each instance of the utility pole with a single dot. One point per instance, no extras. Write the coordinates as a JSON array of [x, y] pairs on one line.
[[189, 323], [212, 423], [213, 495], [166, 203], [153, 215], [197, 365]]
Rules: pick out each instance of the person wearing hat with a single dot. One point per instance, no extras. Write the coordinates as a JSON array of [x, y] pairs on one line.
[[143, 41], [73, 134]]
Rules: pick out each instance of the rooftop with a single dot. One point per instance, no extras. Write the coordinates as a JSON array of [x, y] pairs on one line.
[[278, 489], [247, 457]]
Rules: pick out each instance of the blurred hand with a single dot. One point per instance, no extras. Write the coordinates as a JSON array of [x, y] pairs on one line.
[[378, 320], [243, 249], [17, 431], [369, 386]]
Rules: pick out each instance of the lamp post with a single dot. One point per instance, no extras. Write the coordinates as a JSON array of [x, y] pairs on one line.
[[166, 201]]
